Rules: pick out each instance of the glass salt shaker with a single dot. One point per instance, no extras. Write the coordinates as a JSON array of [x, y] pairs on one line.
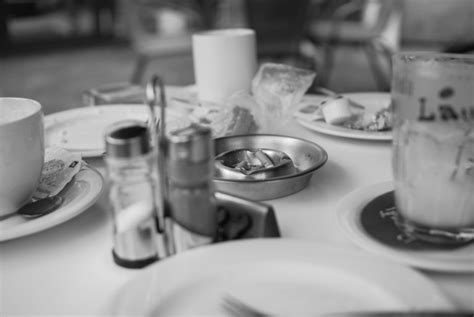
[[131, 172]]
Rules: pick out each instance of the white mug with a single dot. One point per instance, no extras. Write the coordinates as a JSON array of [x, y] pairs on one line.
[[21, 151], [225, 62]]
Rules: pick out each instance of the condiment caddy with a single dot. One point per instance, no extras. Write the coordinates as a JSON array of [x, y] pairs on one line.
[[162, 191]]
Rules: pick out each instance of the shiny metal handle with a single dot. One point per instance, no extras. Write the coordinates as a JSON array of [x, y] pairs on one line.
[[160, 145]]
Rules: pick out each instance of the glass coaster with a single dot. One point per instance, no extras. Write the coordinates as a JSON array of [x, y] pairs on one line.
[[378, 219], [367, 215]]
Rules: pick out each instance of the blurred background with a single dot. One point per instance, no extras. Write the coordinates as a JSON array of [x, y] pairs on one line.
[[54, 50]]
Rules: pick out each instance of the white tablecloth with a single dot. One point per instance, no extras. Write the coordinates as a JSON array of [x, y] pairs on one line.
[[68, 269]]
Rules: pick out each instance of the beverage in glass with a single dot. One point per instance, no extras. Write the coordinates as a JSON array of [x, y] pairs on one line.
[[433, 147]]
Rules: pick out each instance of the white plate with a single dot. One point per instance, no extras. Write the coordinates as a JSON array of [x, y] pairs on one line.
[[349, 211], [80, 194], [371, 101], [82, 129], [280, 276]]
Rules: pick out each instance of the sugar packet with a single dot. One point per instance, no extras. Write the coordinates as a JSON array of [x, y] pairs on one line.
[[59, 168]]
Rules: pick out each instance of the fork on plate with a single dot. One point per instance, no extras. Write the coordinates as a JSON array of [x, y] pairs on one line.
[[237, 308]]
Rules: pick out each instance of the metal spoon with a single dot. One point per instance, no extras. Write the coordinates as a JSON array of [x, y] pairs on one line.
[[37, 208]]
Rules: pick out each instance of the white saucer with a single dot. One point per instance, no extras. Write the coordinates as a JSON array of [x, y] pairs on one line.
[[372, 101], [83, 129], [349, 214], [284, 277], [80, 194]]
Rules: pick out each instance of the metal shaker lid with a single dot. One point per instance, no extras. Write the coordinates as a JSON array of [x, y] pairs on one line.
[[192, 144], [127, 139]]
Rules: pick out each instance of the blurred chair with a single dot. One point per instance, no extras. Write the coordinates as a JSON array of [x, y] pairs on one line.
[[377, 32], [25, 24], [464, 48], [280, 28], [161, 29]]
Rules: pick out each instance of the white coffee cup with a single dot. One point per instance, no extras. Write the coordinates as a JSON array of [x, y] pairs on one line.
[[225, 61], [21, 151]]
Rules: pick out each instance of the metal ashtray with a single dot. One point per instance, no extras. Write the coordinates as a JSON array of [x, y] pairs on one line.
[[294, 161]]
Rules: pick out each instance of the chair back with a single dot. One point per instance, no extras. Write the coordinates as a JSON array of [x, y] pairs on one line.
[[160, 25], [279, 24], [384, 18]]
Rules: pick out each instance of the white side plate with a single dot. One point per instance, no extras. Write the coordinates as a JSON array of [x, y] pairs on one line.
[[83, 129], [371, 101], [279, 276], [80, 194]]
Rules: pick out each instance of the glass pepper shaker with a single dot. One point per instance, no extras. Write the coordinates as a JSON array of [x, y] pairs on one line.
[[131, 171], [191, 200]]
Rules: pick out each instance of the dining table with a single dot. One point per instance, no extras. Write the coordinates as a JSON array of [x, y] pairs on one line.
[[68, 269]]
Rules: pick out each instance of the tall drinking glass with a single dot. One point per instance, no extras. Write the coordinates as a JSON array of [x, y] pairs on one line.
[[433, 147]]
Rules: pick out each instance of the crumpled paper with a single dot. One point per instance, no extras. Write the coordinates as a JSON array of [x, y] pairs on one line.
[[237, 115], [277, 89]]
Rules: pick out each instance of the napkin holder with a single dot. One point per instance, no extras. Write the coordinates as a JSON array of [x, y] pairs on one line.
[[114, 93], [237, 218], [241, 218]]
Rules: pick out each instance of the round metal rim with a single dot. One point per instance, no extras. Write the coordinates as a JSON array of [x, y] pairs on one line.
[[322, 161]]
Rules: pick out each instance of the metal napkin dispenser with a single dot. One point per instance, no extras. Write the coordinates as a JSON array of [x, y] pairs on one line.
[[240, 218]]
